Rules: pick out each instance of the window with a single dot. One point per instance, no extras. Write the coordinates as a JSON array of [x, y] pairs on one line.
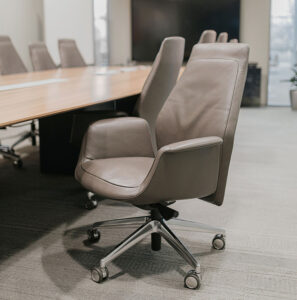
[[282, 50], [101, 32]]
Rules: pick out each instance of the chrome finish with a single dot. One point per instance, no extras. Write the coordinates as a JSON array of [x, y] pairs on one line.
[[90, 195], [9, 152], [176, 244], [145, 230], [196, 226], [122, 222], [129, 242]]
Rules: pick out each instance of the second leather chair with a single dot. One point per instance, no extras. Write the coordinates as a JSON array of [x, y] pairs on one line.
[[156, 89], [223, 37], [11, 63], [70, 55], [40, 57], [208, 36]]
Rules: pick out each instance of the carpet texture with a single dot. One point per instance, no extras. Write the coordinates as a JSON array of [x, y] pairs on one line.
[[43, 253]]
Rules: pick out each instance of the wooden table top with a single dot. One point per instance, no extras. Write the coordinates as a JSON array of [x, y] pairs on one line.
[[81, 88]]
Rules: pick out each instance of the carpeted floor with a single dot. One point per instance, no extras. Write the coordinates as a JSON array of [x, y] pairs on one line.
[[42, 229]]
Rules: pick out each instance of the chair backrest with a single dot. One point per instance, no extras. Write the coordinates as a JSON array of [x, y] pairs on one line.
[[161, 80], [233, 41], [223, 37], [206, 102], [208, 36], [40, 57], [10, 61], [70, 54]]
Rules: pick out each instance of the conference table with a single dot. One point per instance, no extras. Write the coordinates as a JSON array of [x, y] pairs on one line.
[[54, 96]]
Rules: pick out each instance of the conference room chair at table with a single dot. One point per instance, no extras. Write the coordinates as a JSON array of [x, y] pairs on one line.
[[41, 58], [70, 55], [223, 37], [157, 87], [11, 63], [194, 133], [208, 36]]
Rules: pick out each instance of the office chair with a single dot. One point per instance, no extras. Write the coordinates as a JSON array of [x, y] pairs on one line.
[[70, 54], [208, 36], [194, 131], [11, 63], [233, 41], [41, 58], [156, 89], [223, 37]]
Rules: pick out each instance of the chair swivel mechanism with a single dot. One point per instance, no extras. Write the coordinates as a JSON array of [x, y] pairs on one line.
[[194, 137]]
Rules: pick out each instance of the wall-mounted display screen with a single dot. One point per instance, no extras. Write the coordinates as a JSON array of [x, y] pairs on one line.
[[153, 20]]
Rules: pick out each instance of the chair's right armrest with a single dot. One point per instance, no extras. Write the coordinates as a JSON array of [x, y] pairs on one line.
[[118, 137], [183, 170]]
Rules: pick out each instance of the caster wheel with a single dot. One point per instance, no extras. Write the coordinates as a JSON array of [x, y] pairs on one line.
[[93, 235], [91, 202], [193, 280], [218, 242], [18, 163], [99, 274]]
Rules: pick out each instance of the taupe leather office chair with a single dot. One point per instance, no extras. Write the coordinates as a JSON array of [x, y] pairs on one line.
[[11, 63], [208, 36], [70, 54], [223, 37], [156, 89], [40, 57], [233, 41], [195, 131]]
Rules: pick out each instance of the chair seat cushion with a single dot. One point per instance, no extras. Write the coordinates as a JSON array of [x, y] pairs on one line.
[[121, 171]]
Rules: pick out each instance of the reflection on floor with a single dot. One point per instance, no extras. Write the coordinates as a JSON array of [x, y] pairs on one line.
[[42, 229]]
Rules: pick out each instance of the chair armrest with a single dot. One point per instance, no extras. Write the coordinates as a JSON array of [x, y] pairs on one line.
[[183, 170], [190, 145], [118, 137]]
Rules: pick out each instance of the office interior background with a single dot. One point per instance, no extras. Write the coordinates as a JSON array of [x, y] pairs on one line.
[[43, 250]]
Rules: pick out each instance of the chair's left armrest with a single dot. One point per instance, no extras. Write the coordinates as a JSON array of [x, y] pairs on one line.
[[118, 137]]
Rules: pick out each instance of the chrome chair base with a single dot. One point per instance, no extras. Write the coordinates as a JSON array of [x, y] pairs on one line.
[[9, 152], [151, 226]]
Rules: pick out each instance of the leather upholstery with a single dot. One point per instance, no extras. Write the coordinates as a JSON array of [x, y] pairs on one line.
[[10, 61], [195, 131], [208, 36], [40, 57], [161, 80], [206, 101], [223, 37], [122, 171], [118, 137], [70, 55]]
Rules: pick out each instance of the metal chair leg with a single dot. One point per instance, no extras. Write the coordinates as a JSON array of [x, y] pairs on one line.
[[196, 226], [122, 222], [176, 244]]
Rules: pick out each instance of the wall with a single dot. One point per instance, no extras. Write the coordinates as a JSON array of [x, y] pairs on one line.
[[69, 19], [22, 21], [120, 39], [255, 31]]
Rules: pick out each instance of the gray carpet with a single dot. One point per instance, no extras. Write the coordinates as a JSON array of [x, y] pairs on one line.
[[42, 229]]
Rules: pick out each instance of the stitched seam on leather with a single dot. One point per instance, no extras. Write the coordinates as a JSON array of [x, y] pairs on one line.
[[124, 186]]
